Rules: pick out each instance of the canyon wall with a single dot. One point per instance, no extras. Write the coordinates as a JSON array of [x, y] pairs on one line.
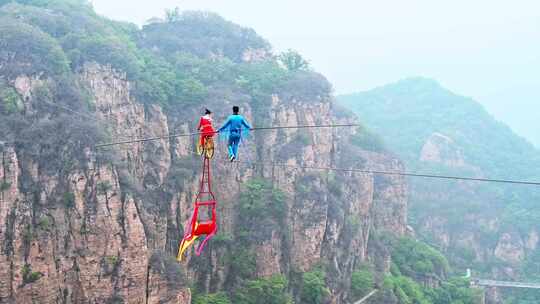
[[107, 228]]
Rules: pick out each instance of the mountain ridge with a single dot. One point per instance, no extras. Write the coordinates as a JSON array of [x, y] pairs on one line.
[[421, 83]]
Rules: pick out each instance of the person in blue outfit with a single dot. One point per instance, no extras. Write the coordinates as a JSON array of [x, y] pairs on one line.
[[235, 127]]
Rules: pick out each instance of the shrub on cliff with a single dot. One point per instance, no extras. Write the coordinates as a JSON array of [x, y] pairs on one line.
[[415, 258], [293, 61], [243, 263], [314, 290], [213, 298], [261, 79], [261, 200], [25, 49], [51, 22], [401, 289], [10, 102], [272, 290], [83, 35], [30, 276], [362, 282], [103, 49], [405, 290], [367, 140]]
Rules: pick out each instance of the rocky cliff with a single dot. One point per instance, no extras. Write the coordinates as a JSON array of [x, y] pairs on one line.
[[107, 227], [81, 224]]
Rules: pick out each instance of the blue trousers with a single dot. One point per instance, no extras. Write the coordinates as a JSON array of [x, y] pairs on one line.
[[234, 141]]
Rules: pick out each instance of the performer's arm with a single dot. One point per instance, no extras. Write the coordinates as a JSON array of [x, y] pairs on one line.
[[226, 125], [200, 124], [245, 123]]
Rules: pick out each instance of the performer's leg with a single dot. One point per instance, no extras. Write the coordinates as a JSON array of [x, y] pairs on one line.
[[230, 146], [236, 142]]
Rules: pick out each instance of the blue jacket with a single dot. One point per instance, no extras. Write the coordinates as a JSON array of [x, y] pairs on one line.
[[235, 124]]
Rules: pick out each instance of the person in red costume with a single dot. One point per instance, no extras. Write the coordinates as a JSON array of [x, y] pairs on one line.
[[205, 127]]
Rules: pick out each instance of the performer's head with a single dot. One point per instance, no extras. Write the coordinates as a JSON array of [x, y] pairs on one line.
[[235, 110], [207, 112]]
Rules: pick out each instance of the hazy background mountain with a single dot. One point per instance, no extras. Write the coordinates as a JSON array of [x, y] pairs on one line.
[[484, 49], [490, 228]]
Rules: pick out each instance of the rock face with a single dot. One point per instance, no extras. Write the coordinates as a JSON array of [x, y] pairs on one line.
[[108, 230], [510, 249], [481, 236], [81, 237], [442, 149]]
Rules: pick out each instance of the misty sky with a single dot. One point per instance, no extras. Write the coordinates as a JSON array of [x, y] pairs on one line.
[[488, 50]]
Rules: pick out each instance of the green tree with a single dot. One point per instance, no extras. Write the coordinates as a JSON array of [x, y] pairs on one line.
[[367, 140], [362, 282], [106, 50], [191, 91], [261, 78], [30, 276], [417, 258], [314, 290], [213, 298], [243, 262], [157, 81], [293, 61], [25, 49], [10, 101], [261, 200], [272, 290]]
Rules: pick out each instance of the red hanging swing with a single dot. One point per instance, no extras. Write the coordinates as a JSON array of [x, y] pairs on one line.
[[195, 228]]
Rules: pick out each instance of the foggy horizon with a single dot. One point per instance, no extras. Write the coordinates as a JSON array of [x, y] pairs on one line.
[[483, 50]]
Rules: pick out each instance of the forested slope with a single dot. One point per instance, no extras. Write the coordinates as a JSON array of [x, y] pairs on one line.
[[491, 228]]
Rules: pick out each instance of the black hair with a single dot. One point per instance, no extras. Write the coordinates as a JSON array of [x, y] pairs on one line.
[[235, 109], [206, 111]]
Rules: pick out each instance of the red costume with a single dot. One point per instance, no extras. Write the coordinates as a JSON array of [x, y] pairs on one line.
[[206, 128]]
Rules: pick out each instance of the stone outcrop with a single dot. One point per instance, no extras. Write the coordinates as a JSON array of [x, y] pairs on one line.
[[510, 248], [442, 149]]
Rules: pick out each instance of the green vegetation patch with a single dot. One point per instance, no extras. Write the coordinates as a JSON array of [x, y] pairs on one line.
[[10, 101], [368, 140], [272, 290], [69, 199], [261, 200], [362, 282], [213, 298], [314, 290], [293, 61], [243, 262], [404, 290], [26, 49], [30, 276], [415, 258], [4, 185]]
